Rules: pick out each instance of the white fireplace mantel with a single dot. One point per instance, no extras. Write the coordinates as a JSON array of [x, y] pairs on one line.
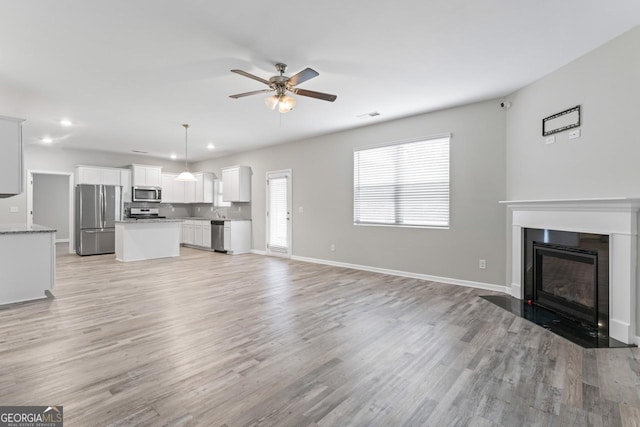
[[616, 217]]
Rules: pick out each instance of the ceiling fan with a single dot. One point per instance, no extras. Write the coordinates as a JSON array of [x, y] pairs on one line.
[[281, 85]]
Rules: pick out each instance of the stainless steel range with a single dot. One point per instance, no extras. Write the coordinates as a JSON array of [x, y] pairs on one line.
[[145, 213]]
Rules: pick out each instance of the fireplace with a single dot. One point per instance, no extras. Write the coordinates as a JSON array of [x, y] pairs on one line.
[[608, 226], [565, 280], [568, 273]]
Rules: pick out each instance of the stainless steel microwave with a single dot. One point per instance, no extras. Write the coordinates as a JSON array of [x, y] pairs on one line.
[[147, 194]]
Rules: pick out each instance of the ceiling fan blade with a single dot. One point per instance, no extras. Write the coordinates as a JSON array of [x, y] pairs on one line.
[[302, 76], [314, 94], [251, 76], [255, 92]]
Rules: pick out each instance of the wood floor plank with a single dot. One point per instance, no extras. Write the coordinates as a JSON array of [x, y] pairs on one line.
[[213, 340]]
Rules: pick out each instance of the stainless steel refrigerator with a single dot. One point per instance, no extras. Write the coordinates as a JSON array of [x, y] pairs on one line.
[[97, 209]]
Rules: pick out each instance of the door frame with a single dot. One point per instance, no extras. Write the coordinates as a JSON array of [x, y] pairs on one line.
[[29, 213], [269, 174]]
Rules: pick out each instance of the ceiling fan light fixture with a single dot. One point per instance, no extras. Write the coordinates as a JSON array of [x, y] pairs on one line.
[[286, 103], [271, 101], [186, 176]]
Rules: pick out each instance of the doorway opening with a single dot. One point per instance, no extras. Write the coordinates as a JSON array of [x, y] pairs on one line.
[[50, 203]]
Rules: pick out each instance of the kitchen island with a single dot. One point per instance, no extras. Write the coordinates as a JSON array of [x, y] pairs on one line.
[[27, 262], [140, 239]]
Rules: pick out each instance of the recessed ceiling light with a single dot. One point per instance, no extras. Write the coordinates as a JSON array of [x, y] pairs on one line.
[[66, 123], [173, 156], [46, 140], [211, 146]]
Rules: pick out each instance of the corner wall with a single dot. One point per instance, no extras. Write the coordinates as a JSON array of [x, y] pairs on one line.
[[603, 162], [322, 178]]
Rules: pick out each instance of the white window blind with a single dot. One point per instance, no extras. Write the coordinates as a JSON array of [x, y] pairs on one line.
[[404, 184], [278, 213]]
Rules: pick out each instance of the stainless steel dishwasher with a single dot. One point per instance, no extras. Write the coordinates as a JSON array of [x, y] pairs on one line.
[[217, 235]]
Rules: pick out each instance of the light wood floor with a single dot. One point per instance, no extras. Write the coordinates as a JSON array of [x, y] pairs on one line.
[[215, 340]]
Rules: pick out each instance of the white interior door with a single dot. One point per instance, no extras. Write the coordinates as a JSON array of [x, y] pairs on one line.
[[279, 213]]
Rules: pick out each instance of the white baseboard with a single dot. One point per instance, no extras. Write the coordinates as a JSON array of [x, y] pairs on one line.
[[516, 290], [257, 252], [448, 280], [62, 240]]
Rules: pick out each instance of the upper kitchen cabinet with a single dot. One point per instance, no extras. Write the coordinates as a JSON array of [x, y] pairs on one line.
[[204, 187], [236, 184], [146, 176], [125, 181], [11, 166], [97, 176]]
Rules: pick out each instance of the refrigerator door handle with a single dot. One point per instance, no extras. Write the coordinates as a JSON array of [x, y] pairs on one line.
[[104, 206]]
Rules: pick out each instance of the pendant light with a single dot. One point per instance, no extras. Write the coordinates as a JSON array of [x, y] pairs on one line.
[[186, 175]]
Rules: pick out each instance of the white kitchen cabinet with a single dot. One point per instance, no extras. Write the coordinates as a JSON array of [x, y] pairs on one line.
[[146, 176], [197, 232], [237, 236], [125, 182], [96, 175], [206, 235], [189, 191], [203, 190], [11, 158], [187, 233], [167, 183], [237, 184]]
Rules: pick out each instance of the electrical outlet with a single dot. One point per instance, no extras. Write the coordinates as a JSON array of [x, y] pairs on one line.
[[550, 139], [239, 208], [173, 209], [333, 247], [13, 209], [198, 208], [574, 134], [300, 209], [482, 264], [211, 209]]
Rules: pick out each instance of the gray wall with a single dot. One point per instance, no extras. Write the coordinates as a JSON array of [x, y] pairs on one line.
[[603, 162], [51, 202], [322, 178], [54, 159]]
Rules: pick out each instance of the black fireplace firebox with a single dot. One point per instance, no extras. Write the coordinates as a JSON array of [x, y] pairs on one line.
[[568, 273], [566, 281]]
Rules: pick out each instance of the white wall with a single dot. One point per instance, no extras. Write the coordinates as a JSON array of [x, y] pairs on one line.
[[54, 159], [323, 184], [51, 202], [603, 162]]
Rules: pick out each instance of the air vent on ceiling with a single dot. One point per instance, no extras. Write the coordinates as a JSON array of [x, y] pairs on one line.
[[139, 152], [367, 115]]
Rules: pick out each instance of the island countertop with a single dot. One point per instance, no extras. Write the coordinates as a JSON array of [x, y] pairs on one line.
[[23, 229]]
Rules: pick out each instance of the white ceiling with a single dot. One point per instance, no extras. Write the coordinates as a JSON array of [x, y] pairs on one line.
[[129, 72]]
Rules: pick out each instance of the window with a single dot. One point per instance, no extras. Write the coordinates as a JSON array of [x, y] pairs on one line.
[[403, 184]]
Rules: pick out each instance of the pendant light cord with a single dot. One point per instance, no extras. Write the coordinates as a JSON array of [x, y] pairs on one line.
[[186, 128]]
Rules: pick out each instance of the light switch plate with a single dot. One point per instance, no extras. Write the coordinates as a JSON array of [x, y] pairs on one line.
[[550, 139], [13, 209], [574, 134]]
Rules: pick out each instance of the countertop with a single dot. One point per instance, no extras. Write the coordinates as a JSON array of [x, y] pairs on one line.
[[148, 220], [23, 229]]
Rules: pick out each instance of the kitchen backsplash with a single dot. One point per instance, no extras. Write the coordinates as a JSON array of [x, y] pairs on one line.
[[201, 210]]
